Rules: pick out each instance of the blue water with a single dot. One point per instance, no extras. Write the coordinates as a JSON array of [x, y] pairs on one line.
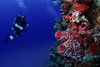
[[33, 47]]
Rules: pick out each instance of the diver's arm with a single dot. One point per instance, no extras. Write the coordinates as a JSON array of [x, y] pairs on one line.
[[27, 25], [16, 25], [12, 28]]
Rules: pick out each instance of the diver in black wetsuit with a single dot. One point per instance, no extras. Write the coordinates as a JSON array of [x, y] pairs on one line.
[[17, 27]]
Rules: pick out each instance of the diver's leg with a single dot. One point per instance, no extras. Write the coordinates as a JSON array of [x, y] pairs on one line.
[[14, 33], [12, 37], [9, 37], [18, 33]]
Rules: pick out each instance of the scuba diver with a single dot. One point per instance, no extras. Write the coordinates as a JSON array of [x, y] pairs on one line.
[[17, 27]]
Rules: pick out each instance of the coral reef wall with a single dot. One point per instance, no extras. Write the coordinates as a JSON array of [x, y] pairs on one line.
[[77, 34]]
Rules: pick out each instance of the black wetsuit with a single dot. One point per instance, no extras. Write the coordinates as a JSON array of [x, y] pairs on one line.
[[21, 22], [17, 31]]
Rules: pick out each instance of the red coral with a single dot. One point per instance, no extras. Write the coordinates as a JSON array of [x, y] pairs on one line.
[[80, 8], [82, 1], [93, 48], [71, 48], [88, 0], [75, 39], [80, 29], [60, 49], [66, 17], [75, 28], [62, 35], [83, 28], [79, 1]]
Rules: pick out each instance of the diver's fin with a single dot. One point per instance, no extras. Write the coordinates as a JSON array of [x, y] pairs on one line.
[[6, 40]]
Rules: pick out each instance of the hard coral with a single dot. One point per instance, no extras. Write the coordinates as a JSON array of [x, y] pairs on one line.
[[68, 1], [62, 35], [64, 8], [80, 8], [66, 17], [81, 18], [97, 2], [71, 47], [83, 27], [93, 48], [80, 28], [57, 2], [82, 1]]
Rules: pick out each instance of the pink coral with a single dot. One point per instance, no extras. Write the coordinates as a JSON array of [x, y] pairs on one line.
[[62, 35], [79, 36], [73, 43], [71, 48]]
